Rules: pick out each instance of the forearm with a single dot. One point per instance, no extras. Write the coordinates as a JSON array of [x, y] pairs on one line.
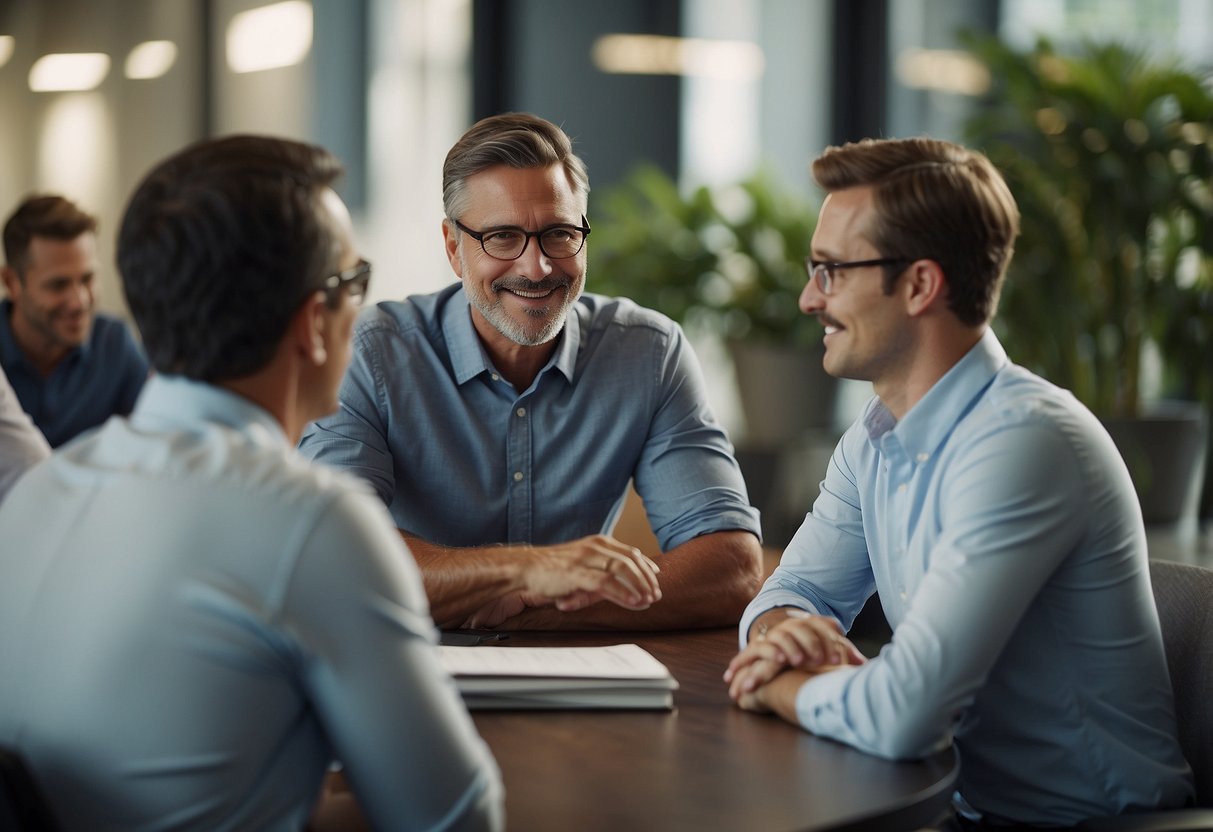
[[779, 694], [458, 582], [705, 582]]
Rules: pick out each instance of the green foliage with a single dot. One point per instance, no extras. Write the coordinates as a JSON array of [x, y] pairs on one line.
[[1110, 157], [730, 261]]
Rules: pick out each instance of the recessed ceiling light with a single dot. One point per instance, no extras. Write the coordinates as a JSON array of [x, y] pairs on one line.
[[269, 37], [151, 59], [64, 72]]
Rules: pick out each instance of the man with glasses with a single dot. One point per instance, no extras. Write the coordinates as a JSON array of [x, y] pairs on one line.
[[989, 510], [194, 620], [501, 418]]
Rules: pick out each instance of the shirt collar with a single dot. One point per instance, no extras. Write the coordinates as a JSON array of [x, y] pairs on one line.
[[176, 401], [468, 356], [929, 422]]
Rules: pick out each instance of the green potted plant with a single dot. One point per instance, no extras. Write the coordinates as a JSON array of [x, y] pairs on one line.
[[1110, 156], [726, 262]]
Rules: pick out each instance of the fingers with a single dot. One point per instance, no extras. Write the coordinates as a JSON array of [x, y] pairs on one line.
[[755, 651], [807, 641], [593, 569], [750, 678]]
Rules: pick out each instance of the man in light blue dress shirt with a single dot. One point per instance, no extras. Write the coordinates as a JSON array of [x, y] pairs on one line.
[[501, 419], [988, 508], [195, 620]]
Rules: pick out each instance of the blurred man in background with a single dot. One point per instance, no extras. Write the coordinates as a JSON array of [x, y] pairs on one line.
[[71, 367]]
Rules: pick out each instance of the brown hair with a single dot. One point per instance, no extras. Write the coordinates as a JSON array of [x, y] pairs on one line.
[[935, 200], [44, 215]]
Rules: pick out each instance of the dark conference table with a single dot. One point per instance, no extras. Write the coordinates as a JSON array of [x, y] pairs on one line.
[[703, 766]]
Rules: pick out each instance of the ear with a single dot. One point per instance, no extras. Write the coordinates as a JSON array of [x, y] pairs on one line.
[[925, 287], [309, 330], [450, 241], [12, 283]]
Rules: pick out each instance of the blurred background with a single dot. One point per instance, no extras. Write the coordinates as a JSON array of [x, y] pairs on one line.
[[697, 119]]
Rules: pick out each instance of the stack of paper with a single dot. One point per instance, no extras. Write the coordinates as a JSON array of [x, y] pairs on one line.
[[619, 676]]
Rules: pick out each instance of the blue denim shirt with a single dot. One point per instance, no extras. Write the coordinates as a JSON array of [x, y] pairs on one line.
[[463, 459], [100, 378], [1000, 527]]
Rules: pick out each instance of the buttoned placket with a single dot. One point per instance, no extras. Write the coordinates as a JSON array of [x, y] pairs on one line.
[[519, 468], [900, 472]]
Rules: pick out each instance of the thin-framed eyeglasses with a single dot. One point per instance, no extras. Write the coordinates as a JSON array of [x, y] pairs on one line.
[[356, 279], [557, 242], [823, 271]]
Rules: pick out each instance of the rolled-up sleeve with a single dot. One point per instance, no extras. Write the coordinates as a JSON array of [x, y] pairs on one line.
[[687, 475]]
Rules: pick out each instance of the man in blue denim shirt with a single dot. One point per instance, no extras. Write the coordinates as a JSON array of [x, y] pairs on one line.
[[988, 508], [501, 419]]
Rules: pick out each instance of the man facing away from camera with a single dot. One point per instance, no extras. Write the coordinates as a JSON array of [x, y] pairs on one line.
[[501, 419], [988, 508], [195, 620]]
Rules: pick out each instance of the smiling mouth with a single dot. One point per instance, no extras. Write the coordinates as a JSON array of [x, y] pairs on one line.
[[531, 291], [530, 294]]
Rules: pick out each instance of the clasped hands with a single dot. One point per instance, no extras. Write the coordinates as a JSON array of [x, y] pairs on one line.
[[795, 646], [574, 575]]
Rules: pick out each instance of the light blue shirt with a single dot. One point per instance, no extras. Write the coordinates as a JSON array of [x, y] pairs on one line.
[[1001, 530], [463, 459], [98, 379], [194, 621]]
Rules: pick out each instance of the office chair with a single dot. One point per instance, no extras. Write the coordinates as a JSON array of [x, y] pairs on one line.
[[1184, 595], [22, 805]]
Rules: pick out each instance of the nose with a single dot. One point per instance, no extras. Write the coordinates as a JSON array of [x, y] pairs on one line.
[[81, 298], [533, 262], [812, 300]]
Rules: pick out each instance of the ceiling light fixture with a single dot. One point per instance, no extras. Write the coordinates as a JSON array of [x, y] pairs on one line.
[[150, 59], [269, 37], [69, 72], [733, 60]]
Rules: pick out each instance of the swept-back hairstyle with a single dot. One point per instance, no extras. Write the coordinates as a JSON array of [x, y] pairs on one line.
[[219, 245], [42, 215], [520, 140], [937, 200]]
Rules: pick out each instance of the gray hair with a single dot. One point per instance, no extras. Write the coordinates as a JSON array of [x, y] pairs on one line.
[[520, 140]]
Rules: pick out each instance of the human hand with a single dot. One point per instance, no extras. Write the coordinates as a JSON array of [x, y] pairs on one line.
[[798, 640], [582, 572]]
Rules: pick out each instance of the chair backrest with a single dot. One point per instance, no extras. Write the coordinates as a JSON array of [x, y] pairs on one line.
[[22, 805], [1184, 595]]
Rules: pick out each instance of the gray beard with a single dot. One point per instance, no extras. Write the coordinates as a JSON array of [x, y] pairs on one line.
[[496, 315]]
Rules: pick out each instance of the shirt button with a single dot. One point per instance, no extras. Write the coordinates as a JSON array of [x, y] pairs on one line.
[[901, 489], [902, 594], [495, 377], [923, 457], [517, 476], [521, 412]]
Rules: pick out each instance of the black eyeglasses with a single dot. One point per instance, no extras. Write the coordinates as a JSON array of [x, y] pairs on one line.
[[556, 241], [356, 279], [823, 272]]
